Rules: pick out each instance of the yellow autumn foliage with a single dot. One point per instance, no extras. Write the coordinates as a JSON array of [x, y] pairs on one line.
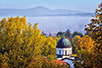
[[90, 47], [85, 50], [21, 42]]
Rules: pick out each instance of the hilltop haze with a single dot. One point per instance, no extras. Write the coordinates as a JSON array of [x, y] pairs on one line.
[[42, 11], [51, 20]]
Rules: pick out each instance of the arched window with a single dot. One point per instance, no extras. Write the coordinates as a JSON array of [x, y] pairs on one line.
[[59, 52], [65, 52]]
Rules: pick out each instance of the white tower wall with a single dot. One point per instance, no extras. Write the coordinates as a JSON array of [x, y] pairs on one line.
[[62, 51]]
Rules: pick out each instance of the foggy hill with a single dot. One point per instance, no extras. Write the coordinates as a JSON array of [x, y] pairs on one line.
[[42, 11]]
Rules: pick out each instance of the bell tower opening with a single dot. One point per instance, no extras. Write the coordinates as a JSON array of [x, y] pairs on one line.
[[65, 52], [59, 52]]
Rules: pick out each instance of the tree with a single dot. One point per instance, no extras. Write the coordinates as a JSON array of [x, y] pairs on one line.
[[43, 33], [75, 43], [95, 29], [85, 52], [61, 34], [44, 63], [91, 56], [68, 34], [77, 33], [20, 43], [49, 47], [50, 34]]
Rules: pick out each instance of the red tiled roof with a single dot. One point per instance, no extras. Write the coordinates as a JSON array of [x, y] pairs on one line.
[[61, 61]]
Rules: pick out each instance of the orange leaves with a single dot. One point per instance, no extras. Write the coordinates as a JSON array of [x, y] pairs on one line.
[[5, 65], [97, 16], [93, 26], [101, 20], [90, 24], [101, 5], [93, 16], [86, 29], [100, 50], [96, 10]]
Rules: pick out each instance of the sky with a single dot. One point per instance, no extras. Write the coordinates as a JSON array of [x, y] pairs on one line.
[[79, 22], [83, 5]]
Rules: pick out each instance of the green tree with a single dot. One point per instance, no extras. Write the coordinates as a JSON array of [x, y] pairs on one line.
[[61, 34], [77, 33], [68, 34], [43, 33]]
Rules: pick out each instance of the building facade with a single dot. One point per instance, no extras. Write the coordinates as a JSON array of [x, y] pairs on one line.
[[63, 48], [64, 51]]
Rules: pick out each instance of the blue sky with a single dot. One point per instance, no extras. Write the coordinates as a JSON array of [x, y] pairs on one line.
[[84, 5]]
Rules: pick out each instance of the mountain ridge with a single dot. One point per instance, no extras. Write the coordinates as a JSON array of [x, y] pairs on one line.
[[42, 11]]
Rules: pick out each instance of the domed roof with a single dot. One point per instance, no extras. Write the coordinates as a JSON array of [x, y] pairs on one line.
[[64, 43]]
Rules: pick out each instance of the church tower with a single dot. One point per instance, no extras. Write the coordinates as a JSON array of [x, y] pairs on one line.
[[63, 48]]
